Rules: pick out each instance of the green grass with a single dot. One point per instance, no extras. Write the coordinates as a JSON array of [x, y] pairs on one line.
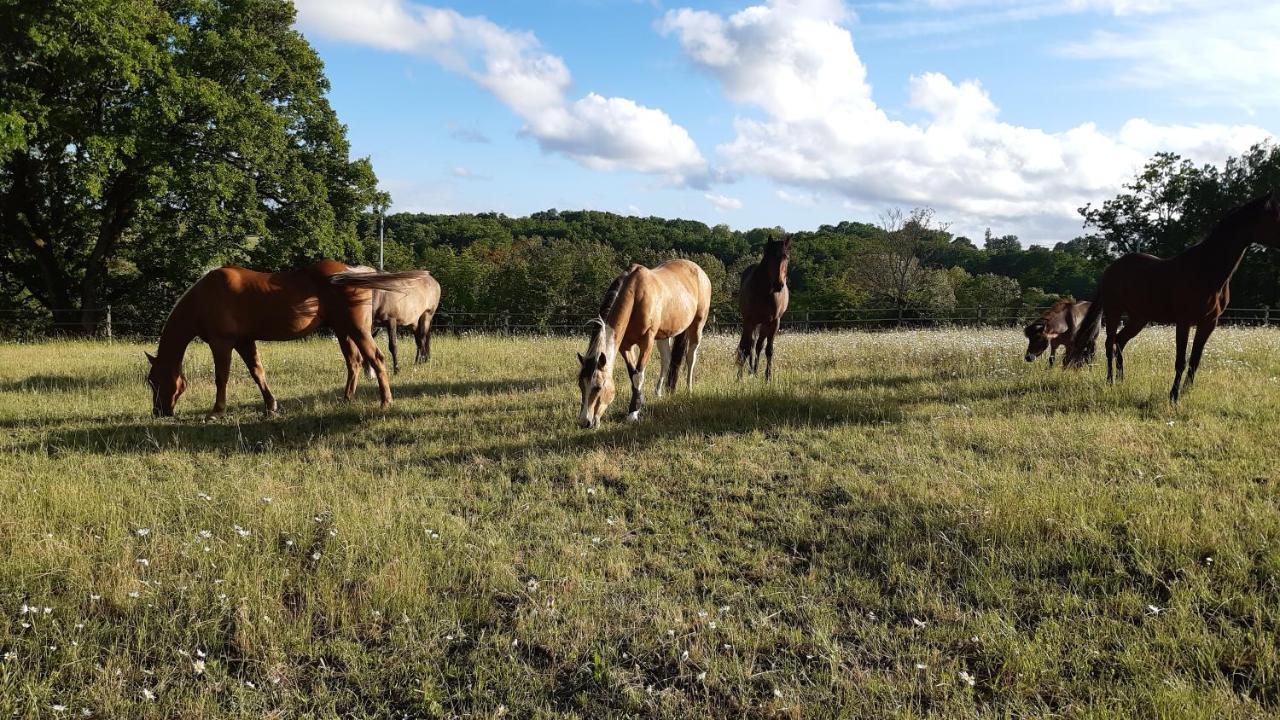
[[896, 510]]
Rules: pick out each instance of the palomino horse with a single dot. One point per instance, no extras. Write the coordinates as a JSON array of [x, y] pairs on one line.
[[231, 308], [643, 308], [1056, 327], [1191, 288], [412, 304], [763, 296]]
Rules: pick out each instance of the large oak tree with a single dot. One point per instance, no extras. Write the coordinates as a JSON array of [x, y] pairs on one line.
[[144, 140]]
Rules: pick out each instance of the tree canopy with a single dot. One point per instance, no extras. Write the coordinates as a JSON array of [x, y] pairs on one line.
[[141, 142]]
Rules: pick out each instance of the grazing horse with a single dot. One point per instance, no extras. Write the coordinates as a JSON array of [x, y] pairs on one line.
[[1191, 288], [231, 308], [413, 304], [1056, 327], [763, 296], [643, 308]]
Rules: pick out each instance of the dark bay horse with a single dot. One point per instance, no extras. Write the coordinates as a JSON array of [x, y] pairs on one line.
[[762, 297], [1189, 289], [667, 307], [231, 308], [1055, 328]]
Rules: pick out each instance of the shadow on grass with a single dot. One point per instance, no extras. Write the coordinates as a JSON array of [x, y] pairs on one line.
[[58, 383], [697, 417], [194, 435]]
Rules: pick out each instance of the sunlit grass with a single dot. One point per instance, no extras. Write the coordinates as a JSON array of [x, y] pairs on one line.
[[903, 524]]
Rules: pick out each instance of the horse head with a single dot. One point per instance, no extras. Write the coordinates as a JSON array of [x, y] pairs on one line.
[[1037, 340], [595, 375], [777, 255], [167, 385]]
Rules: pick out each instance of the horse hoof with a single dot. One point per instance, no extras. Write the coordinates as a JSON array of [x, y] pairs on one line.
[[633, 417]]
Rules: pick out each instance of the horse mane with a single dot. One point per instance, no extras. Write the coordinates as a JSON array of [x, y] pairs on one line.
[[611, 294], [1232, 222]]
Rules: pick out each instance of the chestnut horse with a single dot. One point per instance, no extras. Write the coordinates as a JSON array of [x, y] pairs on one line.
[[1191, 288], [413, 304], [643, 308], [231, 308], [762, 297], [1055, 328]]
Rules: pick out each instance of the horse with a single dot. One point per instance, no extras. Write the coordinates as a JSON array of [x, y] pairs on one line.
[[667, 307], [762, 297], [1055, 328], [414, 304], [1189, 289], [231, 308]]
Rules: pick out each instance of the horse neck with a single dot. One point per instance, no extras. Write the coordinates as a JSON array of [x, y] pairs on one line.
[[177, 334], [619, 315], [1219, 255]]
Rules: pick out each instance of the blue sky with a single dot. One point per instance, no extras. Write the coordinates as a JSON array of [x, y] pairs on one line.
[[793, 112]]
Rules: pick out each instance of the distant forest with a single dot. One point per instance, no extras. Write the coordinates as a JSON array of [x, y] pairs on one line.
[[555, 264]]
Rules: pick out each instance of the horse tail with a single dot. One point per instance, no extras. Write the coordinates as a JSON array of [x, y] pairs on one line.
[[1085, 340], [678, 346], [392, 281]]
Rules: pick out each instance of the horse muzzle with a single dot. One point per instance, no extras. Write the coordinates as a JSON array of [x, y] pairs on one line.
[[1031, 357]]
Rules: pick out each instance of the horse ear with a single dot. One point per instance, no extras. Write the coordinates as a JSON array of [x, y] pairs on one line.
[[150, 358], [581, 360]]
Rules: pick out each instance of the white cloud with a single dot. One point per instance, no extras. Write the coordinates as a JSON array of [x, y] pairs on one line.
[[599, 132], [723, 202], [1225, 54], [801, 199], [819, 128]]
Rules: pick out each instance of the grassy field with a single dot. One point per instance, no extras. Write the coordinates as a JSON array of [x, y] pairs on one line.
[[906, 524]]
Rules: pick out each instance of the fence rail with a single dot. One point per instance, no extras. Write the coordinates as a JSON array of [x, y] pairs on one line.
[[109, 323]]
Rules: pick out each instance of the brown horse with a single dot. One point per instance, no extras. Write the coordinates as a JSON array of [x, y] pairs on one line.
[[1191, 288], [1055, 328], [643, 308], [413, 304], [762, 297], [231, 308]]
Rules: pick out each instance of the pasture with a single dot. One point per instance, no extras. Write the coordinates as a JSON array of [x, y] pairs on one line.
[[903, 524]]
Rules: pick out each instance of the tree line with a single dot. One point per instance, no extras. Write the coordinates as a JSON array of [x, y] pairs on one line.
[[195, 133]]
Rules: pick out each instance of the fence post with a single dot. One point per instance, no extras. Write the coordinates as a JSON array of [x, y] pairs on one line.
[[1266, 314], [714, 326], [109, 339], [806, 321], [979, 315], [506, 323]]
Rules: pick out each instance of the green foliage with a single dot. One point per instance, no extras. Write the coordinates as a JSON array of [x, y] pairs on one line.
[[141, 142]]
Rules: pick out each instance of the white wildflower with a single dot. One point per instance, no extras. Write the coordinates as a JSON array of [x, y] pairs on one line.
[[918, 622], [198, 667], [144, 562], [142, 532], [146, 693], [966, 678]]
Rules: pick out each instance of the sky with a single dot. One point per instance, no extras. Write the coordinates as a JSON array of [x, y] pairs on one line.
[[999, 114]]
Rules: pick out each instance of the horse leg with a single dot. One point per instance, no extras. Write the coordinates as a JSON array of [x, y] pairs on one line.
[[1131, 328], [426, 340], [760, 340], [1053, 350], [643, 348], [366, 347], [392, 331], [1180, 363], [248, 351], [664, 357], [768, 352], [1203, 331], [744, 349], [1113, 325], [420, 339], [691, 358], [221, 371], [352, 358]]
